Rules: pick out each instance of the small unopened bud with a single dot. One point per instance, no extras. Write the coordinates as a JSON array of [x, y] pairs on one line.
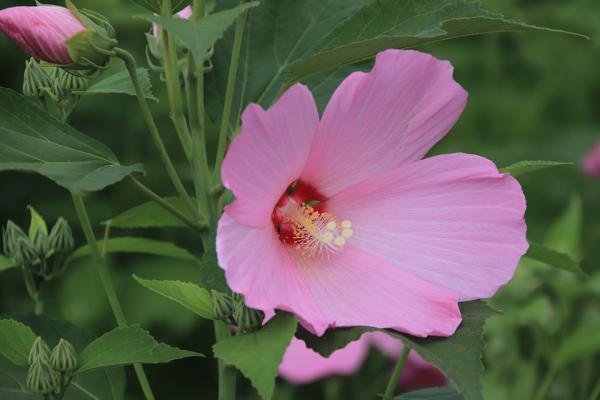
[[247, 319], [61, 236], [25, 253], [64, 357], [67, 82], [10, 235], [41, 243], [36, 80], [41, 378], [222, 305], [39, 349]]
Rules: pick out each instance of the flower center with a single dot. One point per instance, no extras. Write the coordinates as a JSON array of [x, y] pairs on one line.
[[310, 230]]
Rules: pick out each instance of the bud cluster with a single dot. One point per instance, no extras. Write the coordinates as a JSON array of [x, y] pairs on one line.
[[50, 372], [233, 310]]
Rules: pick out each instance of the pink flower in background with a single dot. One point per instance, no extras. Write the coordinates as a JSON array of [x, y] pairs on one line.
[[340, 221], [186, 13], [591, 162], [303, 365], [41, 31]]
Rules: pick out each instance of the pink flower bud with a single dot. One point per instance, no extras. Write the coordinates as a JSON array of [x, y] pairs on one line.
[[186, 13], [591, 162], [41, 31]]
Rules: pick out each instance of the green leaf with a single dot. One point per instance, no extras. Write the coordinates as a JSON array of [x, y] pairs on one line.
[[105, 384], [553, 258], [386, 24], [16, 340], [565, 233], [198, 36], [33, 141], [156, 5], [279, 32], [584, 342], [137, 245], [258, 355], [6, 263], [187, 294], [525, 167], [458, 356], [150, 215], [441, 393], [120, 83], [212, 277], [128, 345], [37, 223]]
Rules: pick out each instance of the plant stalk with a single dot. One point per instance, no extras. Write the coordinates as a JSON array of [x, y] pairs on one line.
[[227, 374], [393, 382], [229, 92], [107, 283], [164, 155]]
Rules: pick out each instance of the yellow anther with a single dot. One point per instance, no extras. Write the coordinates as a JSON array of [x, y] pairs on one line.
[[331, 226], [346, 224], [339, 241], [328, 237], [347, 233]]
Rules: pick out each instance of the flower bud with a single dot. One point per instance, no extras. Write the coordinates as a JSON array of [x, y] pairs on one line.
[[41, 31], [222, 305], [36, 80], [61, 237], [41, 243], [25, 252], [247, 319], [10, 235], [65, 83], [64, 357], [41, 378], [39, 349]]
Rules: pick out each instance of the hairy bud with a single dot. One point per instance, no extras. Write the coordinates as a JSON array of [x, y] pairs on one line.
[[222, 305], [247, 319], [37, 82], [61, 236], [41, 378], [39, 350], [64, 357], [40, 243], [10, 235], [25, 253]]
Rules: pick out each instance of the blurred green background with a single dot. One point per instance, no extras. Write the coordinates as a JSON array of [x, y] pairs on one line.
[[532, 96]]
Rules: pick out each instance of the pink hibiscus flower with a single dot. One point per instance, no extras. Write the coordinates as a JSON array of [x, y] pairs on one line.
[[303, 365], [41, 31], [591, 162], [341, 222]]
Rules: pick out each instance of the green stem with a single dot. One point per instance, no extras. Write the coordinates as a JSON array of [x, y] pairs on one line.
[[546, 383], [107, 283], [171, 72], [131, 68], [32, 290], [229, 92], [393, 382], [200, 225], [227, 374], [595, 394]]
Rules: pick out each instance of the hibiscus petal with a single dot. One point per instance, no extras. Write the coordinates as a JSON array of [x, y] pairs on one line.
[[303, 365], [257, 265], [355, 288], [453, 220], [380, 120], [269, 154]]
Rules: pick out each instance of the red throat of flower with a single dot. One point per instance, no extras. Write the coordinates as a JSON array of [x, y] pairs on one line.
[[301, 220]]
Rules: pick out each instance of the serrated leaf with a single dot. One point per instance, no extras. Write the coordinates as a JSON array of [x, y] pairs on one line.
[[6, 263], [458, 356], [584, 342], [553, 258], [105, 384], [525, 167], [137, 245], [198, 36], [187, 294], [36, 223], [16, 340], [565, 233], [258, 355], [128, 345], [120, 83], [150, 215], [156, 5], [212, 277], [386, 24], [441, 393], [33, 141]]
